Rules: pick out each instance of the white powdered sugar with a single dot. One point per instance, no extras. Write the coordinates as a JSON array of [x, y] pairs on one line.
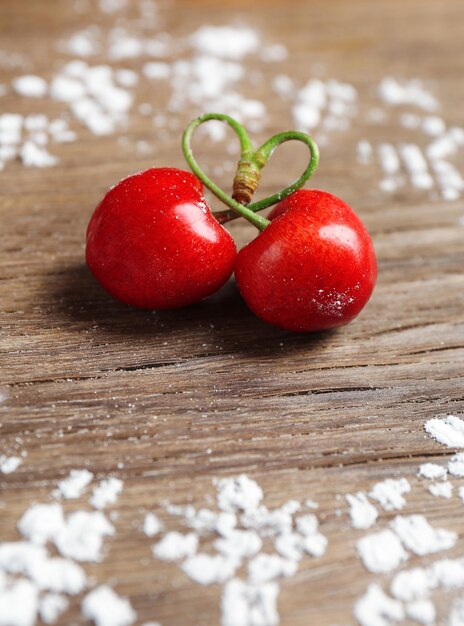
[[241, 526], [238, 494], [329, 105], [106, 608], [18, 604], [245, 604], [30, 86], [225, 41], [204, 520], [456, 616], [156, 70], [413, 92], [432, 471], [364, 151], [33, 155], [8, 465], [51, 606], [266, 567], [363, 514], [83, 534], [456, 465], [207, 569], [388, 158], [42, 522], [416, 165], [420, 537], [389, 493], [151, 525], [174, 546], [441, 490], [381, 552], [375, 608], [448, 431], [239, 544], [74, 485], [50, 574], [417, 583], [106, 492]]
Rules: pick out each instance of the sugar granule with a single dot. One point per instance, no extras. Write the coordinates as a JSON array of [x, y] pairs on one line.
[[34, 156], [388, 158], [82, 536], [18, 604], [315, 544], [156, 70], [74, 485], [441, 490], [389, 493], [205, 520], [381, 552], [10, 464], [421, 611], [432, 471], [456, 465], [364, 151], [418, 582], [412, 584], [106, 608], [106, 492], [208, 569], [266, 567], [456, 615], [420, 537], [363, 514], [433, 125], [30, 86], [151, 525], [448, 431], [245, 604], [51, 606], [42, 522], [375, 608], [239, 544], [225, 41], [412, 92], [289, 545], [239, 493], [49, 574], [174, 546]]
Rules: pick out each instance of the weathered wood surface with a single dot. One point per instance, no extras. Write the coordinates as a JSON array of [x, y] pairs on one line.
[[180, 397]]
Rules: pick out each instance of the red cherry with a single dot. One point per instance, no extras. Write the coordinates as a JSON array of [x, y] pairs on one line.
[[153, 242], [312, 268]]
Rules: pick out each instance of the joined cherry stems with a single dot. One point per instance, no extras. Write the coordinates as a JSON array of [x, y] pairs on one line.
[[248, 171]]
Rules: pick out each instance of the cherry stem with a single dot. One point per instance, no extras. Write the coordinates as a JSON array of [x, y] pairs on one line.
[[247, 153], [262, 155], [248, 170]]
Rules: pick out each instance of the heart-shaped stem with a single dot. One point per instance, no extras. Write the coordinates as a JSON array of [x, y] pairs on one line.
[[247, 155], [261, 156], [248, 170]]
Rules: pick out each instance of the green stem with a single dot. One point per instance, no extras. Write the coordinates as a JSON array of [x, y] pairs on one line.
[[247, 154], [262, 156], [248, 170]]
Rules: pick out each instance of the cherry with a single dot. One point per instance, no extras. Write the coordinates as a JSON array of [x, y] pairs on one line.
[[312, 268], [153, 242]]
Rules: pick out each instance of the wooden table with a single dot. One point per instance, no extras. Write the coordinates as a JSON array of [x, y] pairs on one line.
[[167, 401]]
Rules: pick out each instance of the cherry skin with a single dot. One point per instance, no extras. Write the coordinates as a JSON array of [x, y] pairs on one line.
[[153, 242], [312, 268]]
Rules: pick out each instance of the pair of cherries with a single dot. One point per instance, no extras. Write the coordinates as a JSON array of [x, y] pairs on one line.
[[154, 243]]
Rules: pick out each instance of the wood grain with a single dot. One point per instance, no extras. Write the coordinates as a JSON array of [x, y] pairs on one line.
[[166, 401]]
